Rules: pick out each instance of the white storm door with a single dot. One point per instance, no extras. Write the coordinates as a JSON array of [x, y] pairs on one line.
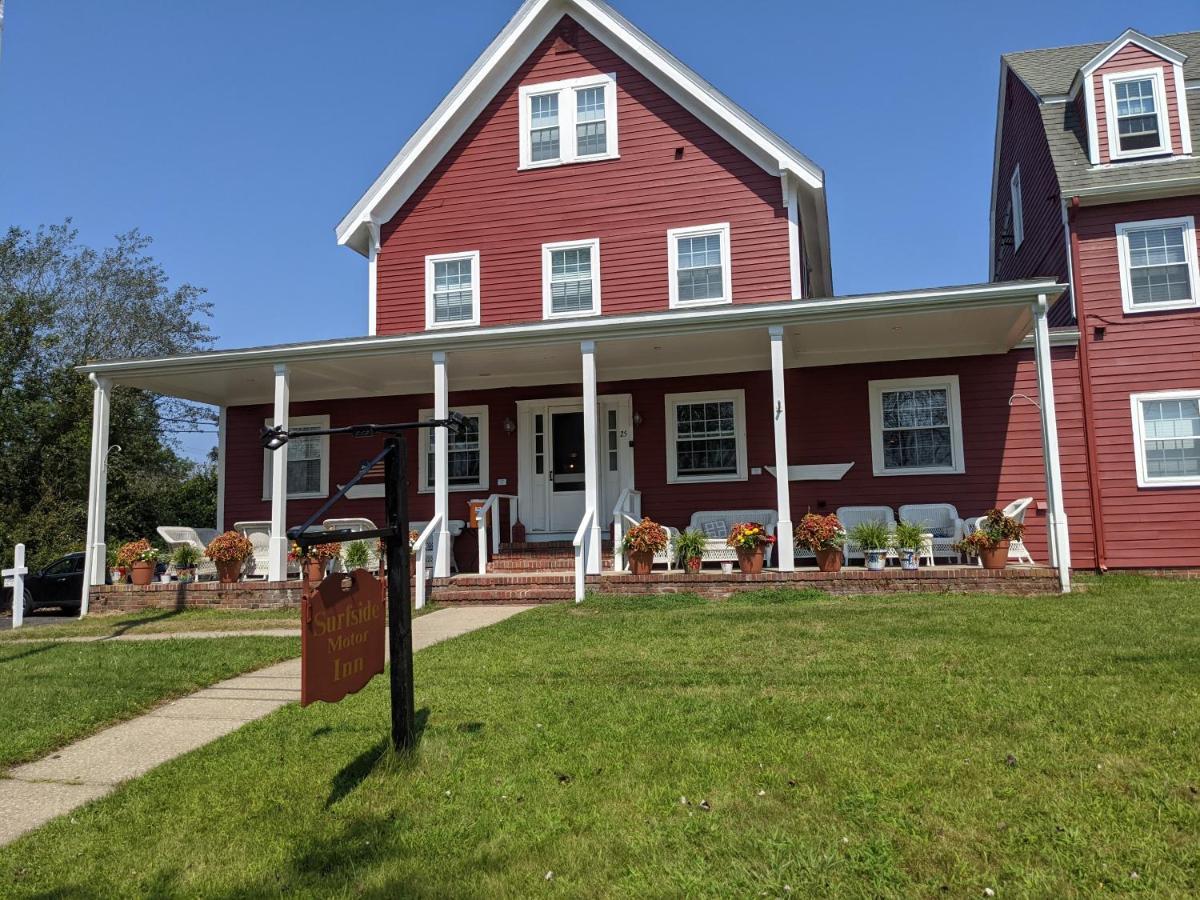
[[566, 463]]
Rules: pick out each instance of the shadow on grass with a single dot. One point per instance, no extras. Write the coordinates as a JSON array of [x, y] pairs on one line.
[[359, 769], [126, 627], [40, 648]]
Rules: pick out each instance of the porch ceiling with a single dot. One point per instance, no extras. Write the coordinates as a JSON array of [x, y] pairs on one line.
[[974, 320]]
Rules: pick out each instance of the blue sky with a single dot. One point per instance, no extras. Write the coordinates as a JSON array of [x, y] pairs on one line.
[[238, 133]]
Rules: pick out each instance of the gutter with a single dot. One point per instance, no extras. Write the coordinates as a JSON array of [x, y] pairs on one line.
[[1155, 187]]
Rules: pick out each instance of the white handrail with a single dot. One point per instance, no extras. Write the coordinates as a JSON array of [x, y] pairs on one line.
[[628, 507], [581, 543], [492, 506], [417, 559]]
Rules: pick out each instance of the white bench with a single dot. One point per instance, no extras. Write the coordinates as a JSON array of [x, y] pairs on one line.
[[717, 523]]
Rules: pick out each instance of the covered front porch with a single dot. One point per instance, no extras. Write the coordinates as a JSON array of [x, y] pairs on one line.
[[577, 428]]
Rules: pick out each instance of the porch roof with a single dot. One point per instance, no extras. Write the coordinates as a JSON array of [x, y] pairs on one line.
[[939, 322]]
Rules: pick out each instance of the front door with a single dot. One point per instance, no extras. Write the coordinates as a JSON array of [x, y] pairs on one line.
[[566, 466]]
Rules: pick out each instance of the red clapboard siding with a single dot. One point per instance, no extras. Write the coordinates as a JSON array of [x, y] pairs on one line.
[[475, 199], [1157, 351], [828, 421], [1131, 56]]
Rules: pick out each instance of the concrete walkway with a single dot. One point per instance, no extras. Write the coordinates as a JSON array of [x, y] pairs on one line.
[[34, 793]]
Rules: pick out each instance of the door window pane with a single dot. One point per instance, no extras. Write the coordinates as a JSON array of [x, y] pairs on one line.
[[1171, 429], [568, 456]]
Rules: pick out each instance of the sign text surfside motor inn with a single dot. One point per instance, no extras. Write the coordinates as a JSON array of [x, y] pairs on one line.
[[343, 636]]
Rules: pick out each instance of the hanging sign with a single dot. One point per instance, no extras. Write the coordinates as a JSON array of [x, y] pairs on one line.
[[341, 644]]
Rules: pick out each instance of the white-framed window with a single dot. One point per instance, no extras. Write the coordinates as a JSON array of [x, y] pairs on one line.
[[698, 258], [571, 279], [1018, 210], [1157, 259], [307, 459], [1136, 108], [706, 436], [452, 290], [916, 426], [467, 452], [1166, 437], [568, 121]]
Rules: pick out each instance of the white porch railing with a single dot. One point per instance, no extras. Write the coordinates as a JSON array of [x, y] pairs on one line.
[[628, 510], [492, 508], [417, 559], [581, 544]]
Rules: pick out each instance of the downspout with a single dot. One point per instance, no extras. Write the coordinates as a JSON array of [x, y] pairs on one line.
[[1085, 379]]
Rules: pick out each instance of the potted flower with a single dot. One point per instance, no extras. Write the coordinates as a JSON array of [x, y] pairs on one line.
[[824, 536], [990, 540], [185, 559], [315, 558], [750, 540], [873, 538], [116, 571], [689, 549], [356, 556], [908, 539], [229, 551], [641, 542], [140, 559]]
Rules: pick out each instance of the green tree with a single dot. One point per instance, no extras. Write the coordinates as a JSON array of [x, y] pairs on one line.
[[61, 305]]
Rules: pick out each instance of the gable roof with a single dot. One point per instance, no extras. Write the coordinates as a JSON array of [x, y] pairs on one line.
[[496, 65]]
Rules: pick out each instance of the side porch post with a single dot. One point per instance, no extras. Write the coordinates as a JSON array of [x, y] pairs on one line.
[[277, 561], [221, 428], [441, 466], [783, 500], [591, 452], [1059, 538], [95, 550]]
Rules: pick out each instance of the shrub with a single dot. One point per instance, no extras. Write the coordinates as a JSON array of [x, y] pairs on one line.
[[748, 536], [356, 555], [908, 536], [816, 532], [871, 535], [645, 537], [232, 546], [690, 545], [185, 557], [994, 530]]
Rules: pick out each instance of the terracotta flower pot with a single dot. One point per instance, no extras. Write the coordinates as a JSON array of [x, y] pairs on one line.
[[314, 569], [829, 560], [996, 558], [750, 561], [692, 564], [640, 562], [143, 573], [229, 570]]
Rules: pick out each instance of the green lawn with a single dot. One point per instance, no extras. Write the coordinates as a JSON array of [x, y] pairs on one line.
[[895, 746], [51, 694], [159, 621]]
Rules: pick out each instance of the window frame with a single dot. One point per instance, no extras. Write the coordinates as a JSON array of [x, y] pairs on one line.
[[592, 244], [567, 111], [1016, 201], [321, 421], [875, 392], [670, 401], [1110, 81], [1139, 438], [673, 236], [1124, 263], [423, 473], [430, 263]]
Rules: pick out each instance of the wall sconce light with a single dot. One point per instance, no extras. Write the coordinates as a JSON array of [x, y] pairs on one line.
[[637, 419], [509, 425]]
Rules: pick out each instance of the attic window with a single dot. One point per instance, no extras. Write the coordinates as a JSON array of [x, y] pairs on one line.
[[568, 121], [1136, 103]]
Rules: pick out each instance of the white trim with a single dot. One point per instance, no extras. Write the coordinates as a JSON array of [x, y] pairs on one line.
[[1066, 224], [590, 408], [1018, 210], [1165, 144], [372, 278], [268, 468], [1139, 438], [738, 396], [567, 110], [1181, 109], [548, 312], [1089, 101], [795, 256], [1132, 36], [484, 483], [1189, 249], [430, 261], [222, 430], [876, 390], [783, 498], [1056, 514], [673, 236]]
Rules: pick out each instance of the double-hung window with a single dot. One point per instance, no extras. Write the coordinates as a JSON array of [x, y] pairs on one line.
[[452, 290], [1166, 430], [571, 279], [916, 426], [1135, 103], [568, 121], [706, 436], [466, 452], [698, 258], [1158, 264], [307, 459], [1018, 210]]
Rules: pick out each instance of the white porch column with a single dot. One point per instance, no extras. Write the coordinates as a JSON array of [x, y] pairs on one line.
[[783, 499], [1060, 542], [221, 426], [95, 549], [591, 452], [277, 561], [441, 466]]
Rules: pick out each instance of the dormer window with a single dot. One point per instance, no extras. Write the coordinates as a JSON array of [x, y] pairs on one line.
[[1137, 125], [568, 121]]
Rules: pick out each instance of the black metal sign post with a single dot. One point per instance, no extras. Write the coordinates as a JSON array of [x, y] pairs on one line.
[[397, 554]]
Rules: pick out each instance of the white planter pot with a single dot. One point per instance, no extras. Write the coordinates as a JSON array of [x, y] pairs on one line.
[[875, 559], [909, 559], [164, 578]]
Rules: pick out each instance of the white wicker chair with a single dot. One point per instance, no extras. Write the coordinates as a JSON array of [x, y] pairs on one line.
[[942, 521], [178, 535], [716, 524], [1015, 510], [259, 563], [850, 516]]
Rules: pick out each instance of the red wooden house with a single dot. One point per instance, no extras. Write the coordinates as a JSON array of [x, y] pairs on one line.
[[622, 280]]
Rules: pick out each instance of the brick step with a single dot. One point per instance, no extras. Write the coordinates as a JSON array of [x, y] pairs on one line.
[[521, 562], [538, 546], [490, 595], [505, 580]]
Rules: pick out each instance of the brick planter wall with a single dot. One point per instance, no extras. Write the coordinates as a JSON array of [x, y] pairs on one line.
[[196, 595]]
